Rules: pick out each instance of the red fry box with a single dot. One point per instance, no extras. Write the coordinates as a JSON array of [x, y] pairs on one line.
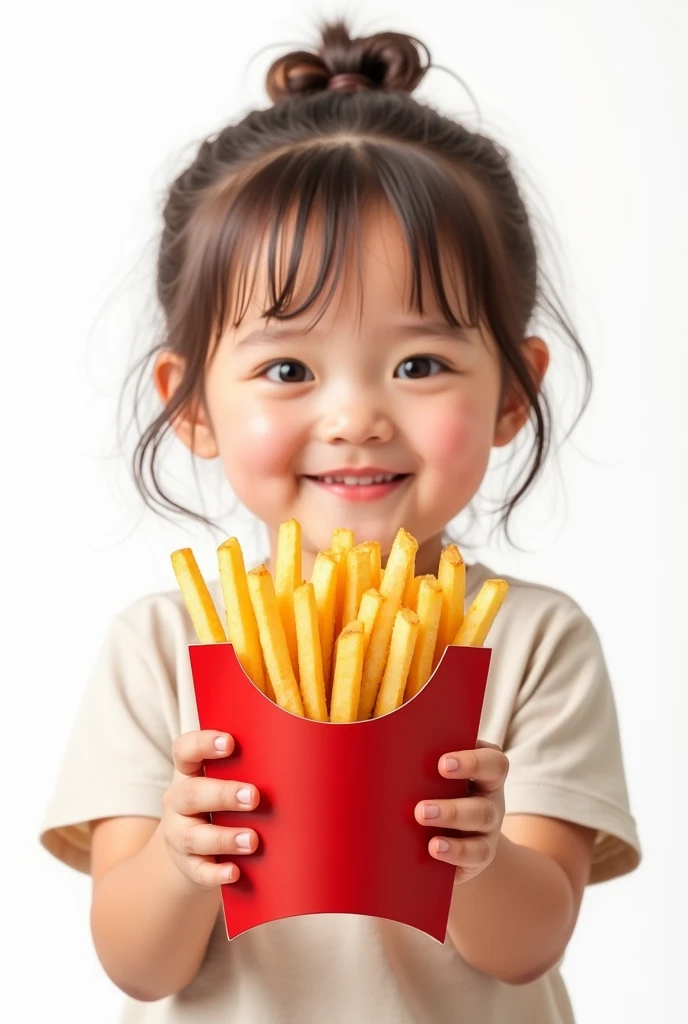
[[336, 828]]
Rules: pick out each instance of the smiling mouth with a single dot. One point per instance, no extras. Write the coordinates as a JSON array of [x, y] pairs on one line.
[[357, 487]]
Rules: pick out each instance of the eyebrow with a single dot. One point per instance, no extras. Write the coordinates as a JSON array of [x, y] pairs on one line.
[[270, 334], [436, 328]]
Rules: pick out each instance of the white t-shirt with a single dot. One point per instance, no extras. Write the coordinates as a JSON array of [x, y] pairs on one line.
[[549, 704]]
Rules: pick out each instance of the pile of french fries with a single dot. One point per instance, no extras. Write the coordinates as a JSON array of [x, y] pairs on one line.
[[352, 642]]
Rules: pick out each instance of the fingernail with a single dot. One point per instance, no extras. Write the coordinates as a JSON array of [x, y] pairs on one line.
[[244, 840], [431, 811], [231, 872], [221, 743], [450, 764], [442, 846], [245, 795]]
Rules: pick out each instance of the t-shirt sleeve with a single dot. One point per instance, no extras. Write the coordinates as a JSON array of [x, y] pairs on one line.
[[118, 759], [563, 741]]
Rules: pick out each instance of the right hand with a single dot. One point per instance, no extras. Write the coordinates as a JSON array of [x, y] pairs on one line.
[[191, 840]]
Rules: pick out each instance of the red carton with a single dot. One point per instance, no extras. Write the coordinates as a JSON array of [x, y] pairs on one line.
[[335, 822]]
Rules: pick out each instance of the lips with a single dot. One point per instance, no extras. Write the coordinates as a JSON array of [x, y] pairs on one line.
[[366, 484]]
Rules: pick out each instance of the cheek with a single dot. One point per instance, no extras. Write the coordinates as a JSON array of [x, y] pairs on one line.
[[455, 434], [260, 442]]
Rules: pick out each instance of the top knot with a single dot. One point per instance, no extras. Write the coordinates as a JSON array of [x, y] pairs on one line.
[[387, 61]]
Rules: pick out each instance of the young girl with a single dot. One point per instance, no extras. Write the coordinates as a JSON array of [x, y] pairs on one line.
[[347, 280]]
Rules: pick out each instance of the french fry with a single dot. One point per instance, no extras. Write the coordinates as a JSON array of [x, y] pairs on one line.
[[197, 598], [348, 666], [342, 542], [482, 613], [358, 579], [242, 631], [410, 585], [287, 579], [324, 580], [311, 682], [404, 636], [269, 688], [429, 610], [375, 563], [401, 557], [452, 578], [410, 599], [399, 565], [367, 613], [273, 641]]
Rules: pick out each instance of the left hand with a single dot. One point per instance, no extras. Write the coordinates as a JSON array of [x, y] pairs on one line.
[[480, 813]]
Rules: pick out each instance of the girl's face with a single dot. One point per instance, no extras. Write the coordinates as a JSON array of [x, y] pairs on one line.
[[372, 418]]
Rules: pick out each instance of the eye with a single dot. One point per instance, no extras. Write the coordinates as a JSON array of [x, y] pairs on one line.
[[418, 367], [288, 371]]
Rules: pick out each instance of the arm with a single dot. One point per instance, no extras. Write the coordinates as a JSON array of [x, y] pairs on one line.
[[519, 879], [515, 919], [156, 892], [150, 924]]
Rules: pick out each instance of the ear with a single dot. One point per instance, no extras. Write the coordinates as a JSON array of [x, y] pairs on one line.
[[515, 408], [191, 423]]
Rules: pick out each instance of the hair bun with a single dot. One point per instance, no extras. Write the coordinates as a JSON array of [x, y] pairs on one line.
[[387, 60]]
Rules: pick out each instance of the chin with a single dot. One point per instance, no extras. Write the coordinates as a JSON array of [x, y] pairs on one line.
[[369, 528]]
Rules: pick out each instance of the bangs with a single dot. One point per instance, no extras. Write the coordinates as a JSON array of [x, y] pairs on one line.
[[296, 220]]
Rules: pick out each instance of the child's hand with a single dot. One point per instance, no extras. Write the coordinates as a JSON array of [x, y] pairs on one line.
[[487, 768], [190, 838]]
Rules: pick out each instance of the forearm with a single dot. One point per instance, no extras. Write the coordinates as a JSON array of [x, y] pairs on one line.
[[150, 925], [513, 921]]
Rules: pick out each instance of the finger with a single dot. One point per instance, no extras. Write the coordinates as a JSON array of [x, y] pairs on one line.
[[206, 840], [487, 767], [198, 795], [468, 814], [191, 749], [208, 874], [462, 853]]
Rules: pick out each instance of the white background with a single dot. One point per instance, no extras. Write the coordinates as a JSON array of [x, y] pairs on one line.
[[101, 104]]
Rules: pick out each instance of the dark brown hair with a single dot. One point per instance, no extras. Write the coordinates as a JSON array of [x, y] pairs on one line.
[[343, 130]]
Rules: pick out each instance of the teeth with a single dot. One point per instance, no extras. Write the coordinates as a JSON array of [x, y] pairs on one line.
[[359, 481]]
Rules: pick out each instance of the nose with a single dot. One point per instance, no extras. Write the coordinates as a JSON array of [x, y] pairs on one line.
[[355, 419]]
